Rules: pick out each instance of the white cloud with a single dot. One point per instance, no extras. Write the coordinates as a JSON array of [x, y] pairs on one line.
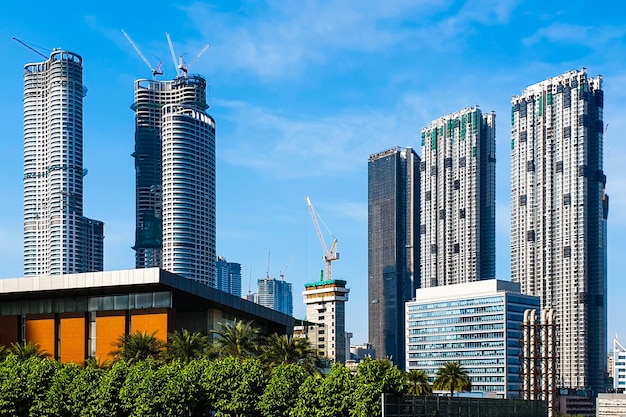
[[299, 147], [284, 38], [589, 36]]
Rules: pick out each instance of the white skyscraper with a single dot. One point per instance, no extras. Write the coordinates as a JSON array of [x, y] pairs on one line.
[[58, 239], [558, 217], [175, 178], [458, 207]]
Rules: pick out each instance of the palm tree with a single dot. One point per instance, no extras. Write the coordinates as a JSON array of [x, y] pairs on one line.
[[418, 382], [186, 346], [137, 346], [238, 339], [282, 349], [453, 377], [28, 350]]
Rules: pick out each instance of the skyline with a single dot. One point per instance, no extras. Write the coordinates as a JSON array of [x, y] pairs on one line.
[[302, 95]]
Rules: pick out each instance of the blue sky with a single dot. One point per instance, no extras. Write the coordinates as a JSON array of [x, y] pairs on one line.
[[302, 93]]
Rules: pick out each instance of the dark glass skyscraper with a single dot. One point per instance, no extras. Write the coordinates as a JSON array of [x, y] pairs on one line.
[[393, 247]]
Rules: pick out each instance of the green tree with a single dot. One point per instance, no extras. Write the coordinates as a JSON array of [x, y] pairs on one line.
[[282, 349], [137, 346], [238, 339], [281, 393], [417, 381], [452, 377], [374, 377], [186, 346], [107, 401], [234, 386], [28, 350], [24, 384], [335, 393], [307, 402]]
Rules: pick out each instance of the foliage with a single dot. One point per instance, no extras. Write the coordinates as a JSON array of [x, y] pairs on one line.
[[282, 349], [107, 396], [234, 386], [417, 381], [307, 402], [137, 347], [452, 377], [334, 394], [28, 350], [24, 384], [238, 339], [373, 377], [186, 346], [281, 393]]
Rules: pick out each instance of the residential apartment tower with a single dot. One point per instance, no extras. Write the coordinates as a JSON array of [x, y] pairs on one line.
[[175, 178], [559, 210], [458, 199], [58, 239]]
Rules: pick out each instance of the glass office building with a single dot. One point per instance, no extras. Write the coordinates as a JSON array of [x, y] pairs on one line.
[[476, 324], [392, 247]]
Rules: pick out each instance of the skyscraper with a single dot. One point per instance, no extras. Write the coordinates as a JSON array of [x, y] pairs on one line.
[[393, 247], [559, 210], [275, 294], [175, 177], [58, 239], [228, 276], [458, 199]]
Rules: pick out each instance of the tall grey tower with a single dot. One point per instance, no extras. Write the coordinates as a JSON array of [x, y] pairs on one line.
[[175, 178], [559, 210], [58, 239], [393, 247], [458, 199]]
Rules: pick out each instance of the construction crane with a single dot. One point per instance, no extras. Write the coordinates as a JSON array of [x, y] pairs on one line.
[[329, 255], [284, 271], [31, 48], [180, 64], [155, 71]]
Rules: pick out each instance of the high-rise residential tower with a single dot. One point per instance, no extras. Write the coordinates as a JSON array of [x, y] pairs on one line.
[[559, 210], [175, 178], [58, 239], [228, 276], [393, 247], [458, 199]]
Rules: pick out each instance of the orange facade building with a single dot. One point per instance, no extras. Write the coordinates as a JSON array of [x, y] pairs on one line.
[[79, 316]]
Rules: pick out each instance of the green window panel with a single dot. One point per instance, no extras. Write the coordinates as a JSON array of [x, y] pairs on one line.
[[474, 151], [512, 115], [541, 106], [549, 99]]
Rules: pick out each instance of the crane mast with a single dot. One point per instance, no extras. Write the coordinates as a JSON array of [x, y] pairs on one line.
[[329, 255]]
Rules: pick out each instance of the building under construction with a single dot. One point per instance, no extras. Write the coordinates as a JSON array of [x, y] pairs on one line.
[[175, 177]]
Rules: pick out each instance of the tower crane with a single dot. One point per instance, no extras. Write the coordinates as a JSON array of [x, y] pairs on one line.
[[329, 255], [30, 47], [180, 64], [155, 71]]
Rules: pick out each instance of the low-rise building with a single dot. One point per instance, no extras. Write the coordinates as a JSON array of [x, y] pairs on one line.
[[476, 324], [78, 316], [611, 405]]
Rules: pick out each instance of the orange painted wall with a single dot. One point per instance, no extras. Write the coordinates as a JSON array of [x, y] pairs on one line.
[[109, 328], [73, 338], [8, 330], [152, 321], [40, 329]]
